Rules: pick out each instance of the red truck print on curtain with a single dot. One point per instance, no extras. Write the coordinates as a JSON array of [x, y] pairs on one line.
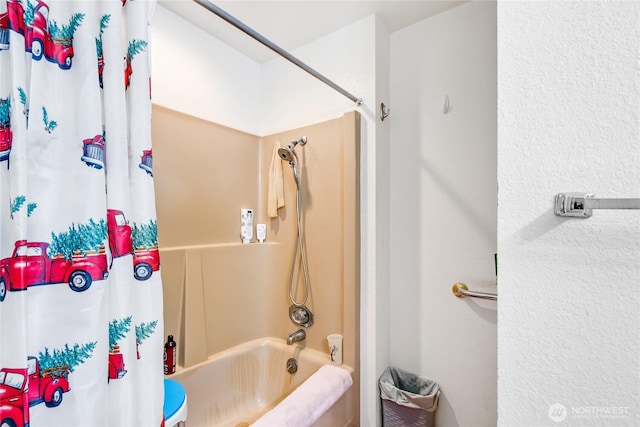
[[93, 152], [6, 135], [45, 379], [146, 161], [31, 265], [5, 143], [34, 263], [22, 388], [118, 329], [41, 36], [128, 70], [146, 260], [119, 231], [104, 24], [4, 31], [116, 364]]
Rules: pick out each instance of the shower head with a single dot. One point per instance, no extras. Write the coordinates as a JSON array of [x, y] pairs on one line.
[[287, 152]]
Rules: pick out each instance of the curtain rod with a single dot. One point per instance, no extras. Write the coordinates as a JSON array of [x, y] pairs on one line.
[[277, 49]]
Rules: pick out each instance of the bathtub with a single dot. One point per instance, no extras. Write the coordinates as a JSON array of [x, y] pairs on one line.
[[237, 386]]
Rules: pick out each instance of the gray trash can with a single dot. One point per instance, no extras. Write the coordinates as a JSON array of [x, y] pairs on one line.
[[407, 399]]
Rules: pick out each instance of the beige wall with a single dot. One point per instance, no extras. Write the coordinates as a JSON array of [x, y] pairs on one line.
[[204, 174], [220, 293]]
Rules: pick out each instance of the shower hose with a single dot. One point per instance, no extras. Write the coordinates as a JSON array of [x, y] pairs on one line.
[[299, 247]]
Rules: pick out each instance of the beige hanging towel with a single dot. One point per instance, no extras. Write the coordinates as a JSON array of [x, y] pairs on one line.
[[275, 199]]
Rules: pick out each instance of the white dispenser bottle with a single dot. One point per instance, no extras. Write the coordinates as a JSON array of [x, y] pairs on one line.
[[261, 232], [246, 225]]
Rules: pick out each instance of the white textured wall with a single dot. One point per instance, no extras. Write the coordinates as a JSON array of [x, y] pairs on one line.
[[292, 98], [197, 74], [569, 120], [375, 286], [443, 208]]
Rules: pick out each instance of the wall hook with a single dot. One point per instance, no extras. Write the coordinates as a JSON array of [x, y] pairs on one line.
[[446, 105], [384, 111]]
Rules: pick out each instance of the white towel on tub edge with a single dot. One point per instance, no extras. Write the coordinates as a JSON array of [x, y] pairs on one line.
[[310, 400]]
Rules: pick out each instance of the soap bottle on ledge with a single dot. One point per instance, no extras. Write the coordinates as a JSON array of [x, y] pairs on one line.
[[170, 356], [246, 225]]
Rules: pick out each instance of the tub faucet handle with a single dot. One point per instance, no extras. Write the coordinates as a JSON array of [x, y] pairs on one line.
[[292, 365]]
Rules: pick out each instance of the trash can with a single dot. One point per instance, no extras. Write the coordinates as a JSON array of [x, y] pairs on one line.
[[407, 399]]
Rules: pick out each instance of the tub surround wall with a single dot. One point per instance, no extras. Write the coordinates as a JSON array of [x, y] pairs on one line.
[[220, 293], [221, 88], [192, 158], [329, 202], [199, 221]]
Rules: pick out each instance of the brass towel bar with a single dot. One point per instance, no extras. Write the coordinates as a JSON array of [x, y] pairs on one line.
[[461, 291]]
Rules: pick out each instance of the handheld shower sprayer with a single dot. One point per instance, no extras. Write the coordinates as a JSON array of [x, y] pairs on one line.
[[298, 313]]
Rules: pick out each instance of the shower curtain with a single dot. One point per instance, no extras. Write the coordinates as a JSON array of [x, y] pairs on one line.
[[81, 329]]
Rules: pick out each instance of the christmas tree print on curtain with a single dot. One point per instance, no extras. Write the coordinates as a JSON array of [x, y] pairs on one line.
[[118, 329], [6, 136], [80, 240], [55, 368], [143, 331], [104, 24], [49, 125], [29, 12], [18, 203], [23, 101], [135, 47], [146, 256], [145, 236], [67, 357]]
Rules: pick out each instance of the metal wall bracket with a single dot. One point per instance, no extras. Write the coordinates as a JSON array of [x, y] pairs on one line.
[[581, 204], [384, 112], [572, 204]]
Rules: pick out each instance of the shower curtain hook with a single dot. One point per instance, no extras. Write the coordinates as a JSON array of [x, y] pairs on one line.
[[384, 111]]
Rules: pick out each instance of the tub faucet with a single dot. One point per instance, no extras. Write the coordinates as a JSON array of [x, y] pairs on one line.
[[299, 335]]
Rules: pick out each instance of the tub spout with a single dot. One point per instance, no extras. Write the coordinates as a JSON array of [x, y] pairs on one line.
[[299, 335]]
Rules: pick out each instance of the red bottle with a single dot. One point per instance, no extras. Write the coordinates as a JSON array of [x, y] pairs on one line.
[[170, 356]]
